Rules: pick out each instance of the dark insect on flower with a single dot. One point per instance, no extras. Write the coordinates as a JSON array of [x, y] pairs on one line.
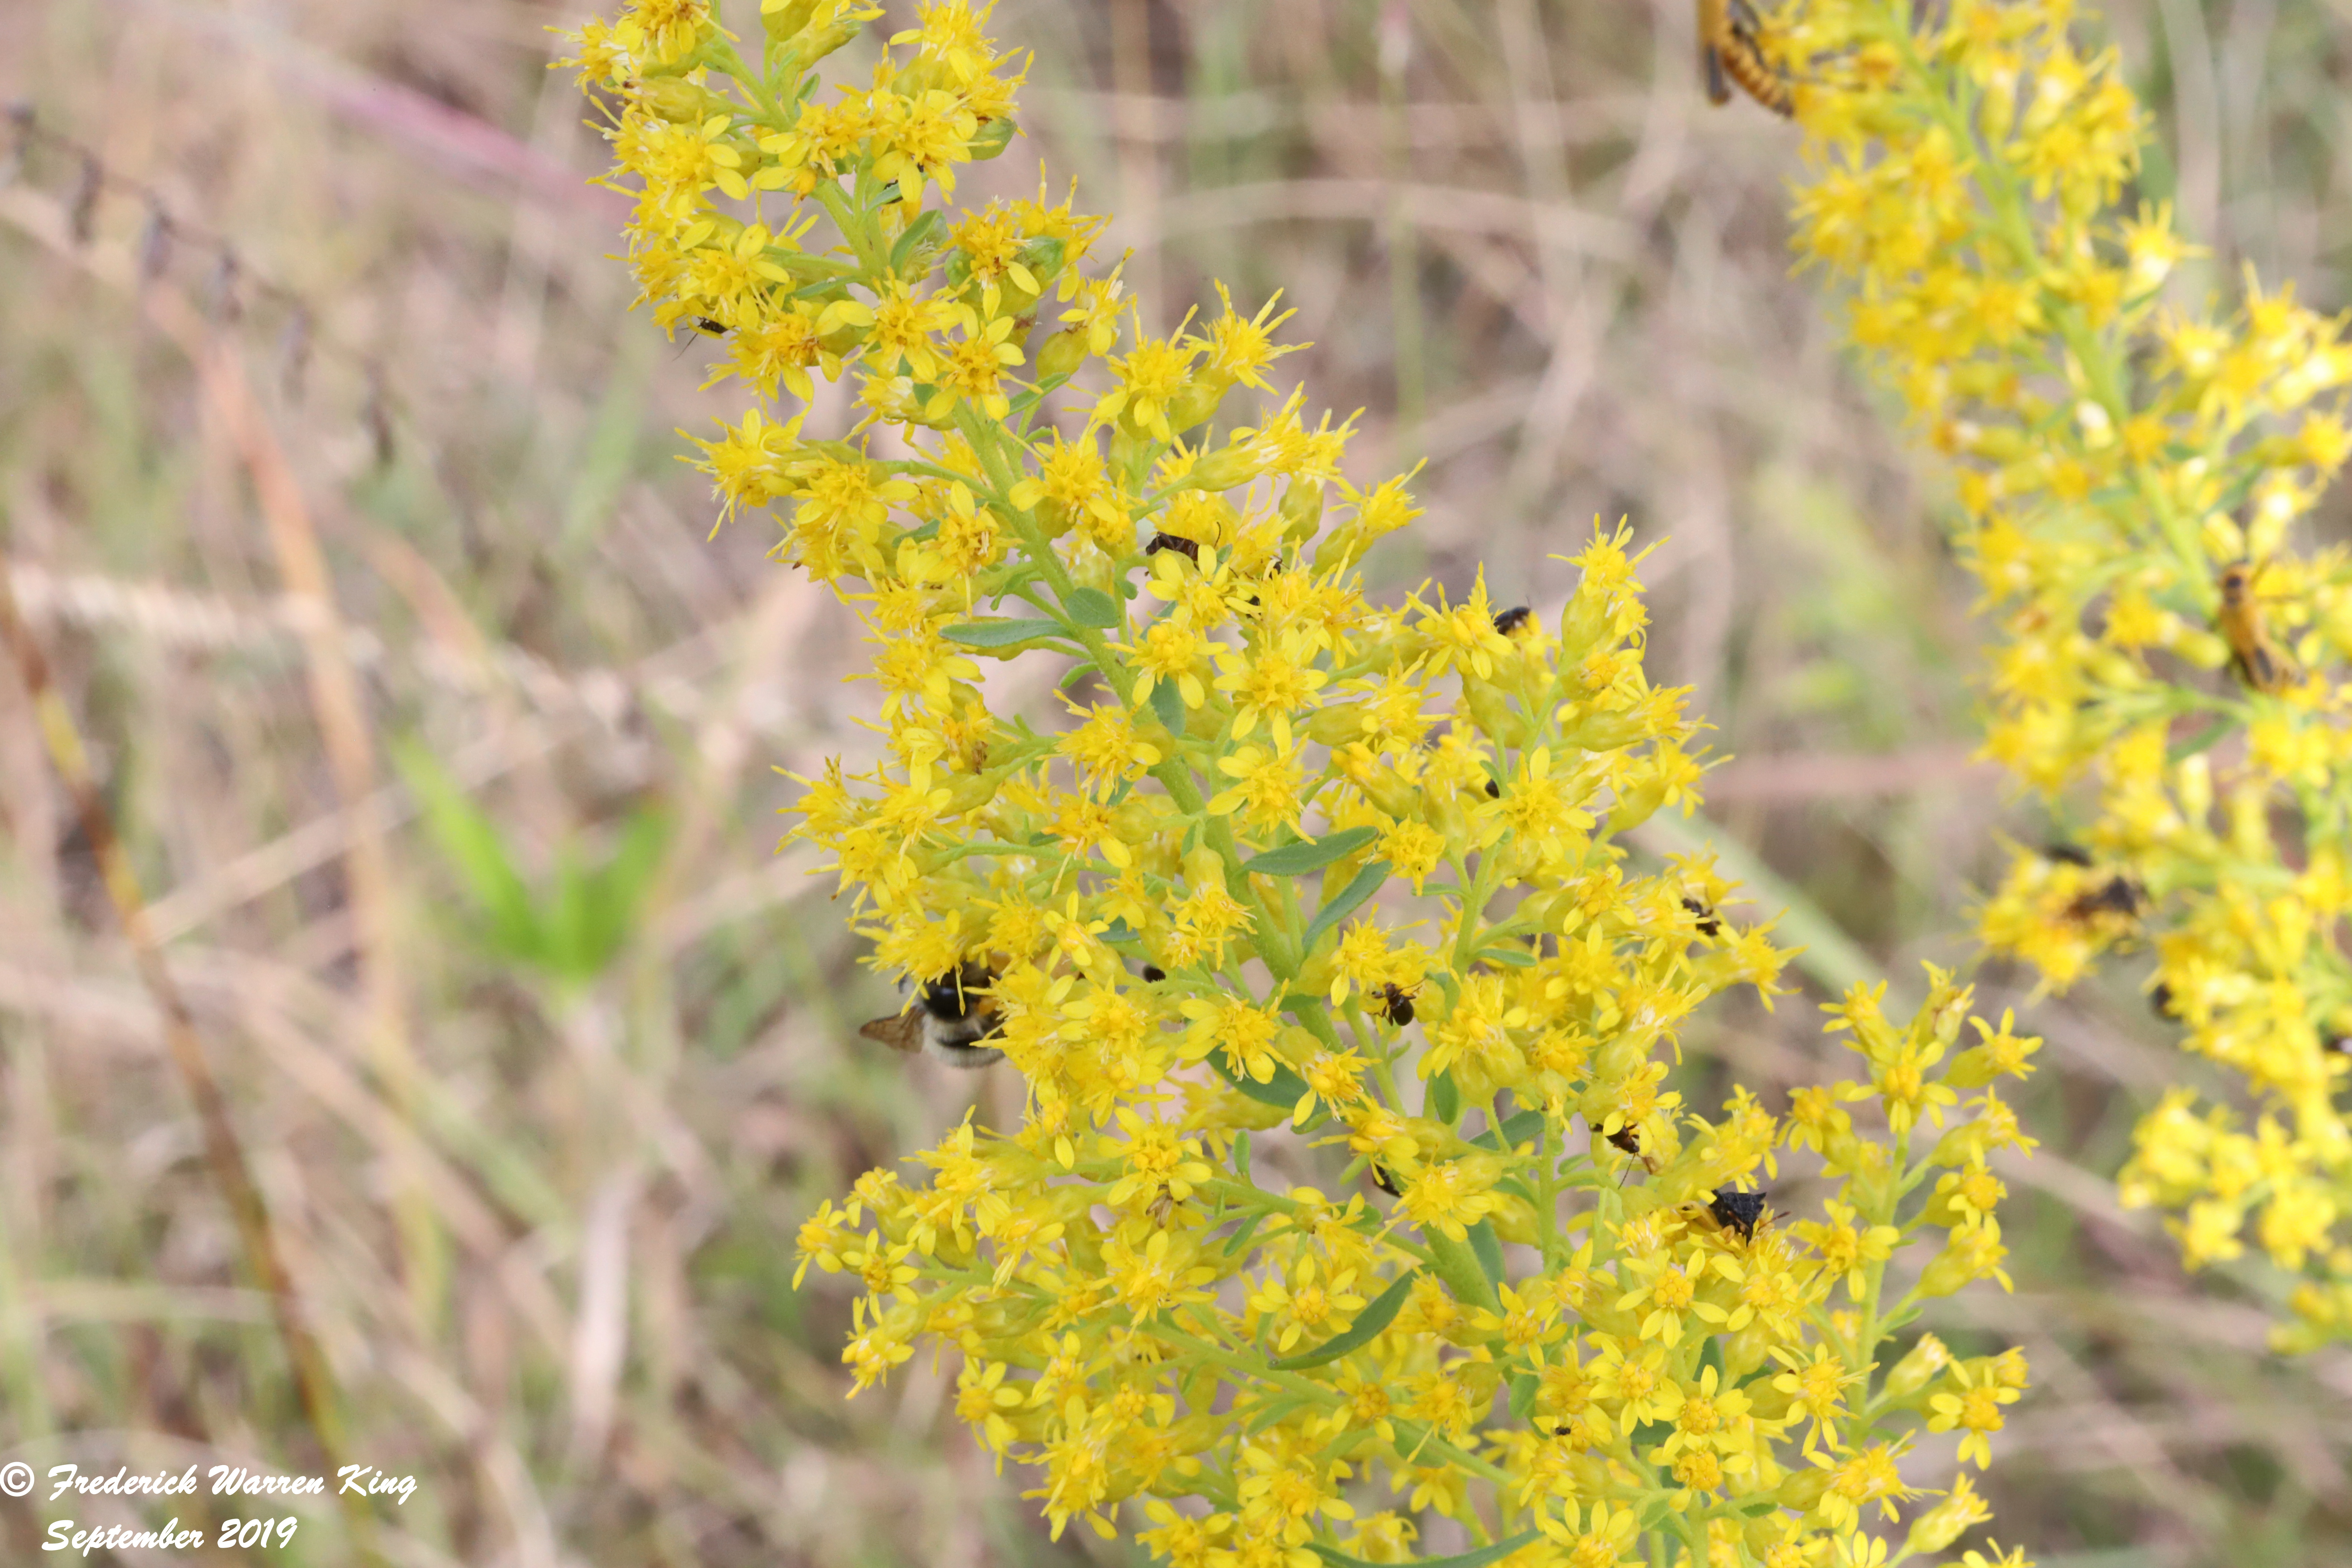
[[2067, 855], [2159, 1001], [1153, 974], [947, 1018], [1512, 619], [1189, 549], [1494, 790], [1382, 1180], [708, 325], [1624, 1138], [1396, 1004], [2117, 895], [1738, 1211], [1708, 924]]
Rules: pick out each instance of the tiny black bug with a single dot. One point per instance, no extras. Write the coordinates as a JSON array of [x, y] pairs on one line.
[[1188, 548], [2066, 853], [1382, 1180], [1707, 922], [1396, 1004], [1511, 620], [1624, 1138], [1494, 790], [1153, 974], [1735, 1210], [2159, 1001]]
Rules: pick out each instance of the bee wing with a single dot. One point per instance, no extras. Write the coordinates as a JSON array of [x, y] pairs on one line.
[[899, 1031], [1719, 90]]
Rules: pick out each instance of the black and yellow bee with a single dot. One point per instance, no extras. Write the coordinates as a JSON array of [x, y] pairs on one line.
[[947, 1019], [1731, 51], [2257, 660]]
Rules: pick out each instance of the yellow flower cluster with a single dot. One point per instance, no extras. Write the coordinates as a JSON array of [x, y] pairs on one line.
[[2129, 475], [1301, 884]]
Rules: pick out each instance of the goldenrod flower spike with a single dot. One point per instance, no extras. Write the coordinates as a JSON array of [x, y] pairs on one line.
[[1300, 871], [2131, 477]]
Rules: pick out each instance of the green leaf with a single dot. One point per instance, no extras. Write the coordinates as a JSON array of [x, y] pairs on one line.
[[1368, 882], [1003, 633], [2205, 740], [1478, 1559], [472, 844], [928, 229], [1489, 1249], [1167, 703], [1515, 1129], [1710, 1354], [1093, 607], [1443, 1102], [1242, 1153], [1509, 957], [1523, 1395], [1309, 854], [1283, 1090], [1377, 1314], [1239, 1238], [1271, 1412]]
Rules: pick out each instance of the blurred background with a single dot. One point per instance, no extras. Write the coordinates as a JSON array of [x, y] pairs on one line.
[[444, 739]]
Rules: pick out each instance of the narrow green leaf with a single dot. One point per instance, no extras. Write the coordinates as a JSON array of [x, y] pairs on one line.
[[1343, 904], [1377, 1314], [1308, 854], [1489, 1249], [1443, 1101], [1515, 1129], [1523, 1395], [1283, 1089], [1169, 704], [2205, 740], [475, 850], [1093, 607], [1509, 957], [1478, 1559], [1239, 1238], [1003, 633], [1710, 1354], [1242, 1154]]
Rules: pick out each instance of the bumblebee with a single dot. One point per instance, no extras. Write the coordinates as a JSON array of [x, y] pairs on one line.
[[1731, 52], [1396, 1003], [2257, 660], [1512, 619], [948, 1019], [1709, 922]]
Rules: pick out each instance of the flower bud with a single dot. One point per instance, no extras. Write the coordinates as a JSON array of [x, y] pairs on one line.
[[1335, 725], [1638, 803], [1061, 353], [679, 102], [1234, 463], [1926, 1361], [1196, 400], [1961, 1510], [784, 17], [1970, 1254], [1302, 509], [1803, 1489]]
